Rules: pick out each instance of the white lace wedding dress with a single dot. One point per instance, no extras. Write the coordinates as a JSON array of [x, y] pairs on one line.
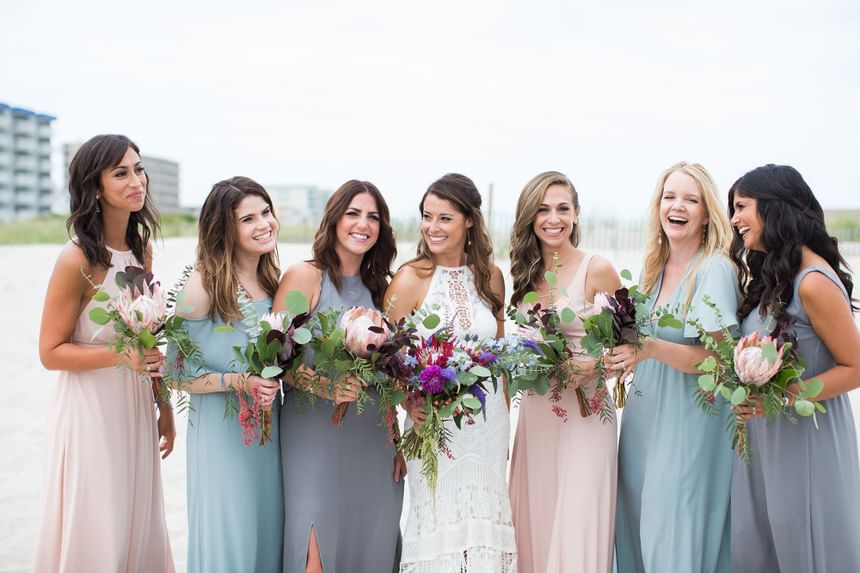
[[469, 528]]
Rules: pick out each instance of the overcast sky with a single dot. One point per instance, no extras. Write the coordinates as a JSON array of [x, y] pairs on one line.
[[402, 92]]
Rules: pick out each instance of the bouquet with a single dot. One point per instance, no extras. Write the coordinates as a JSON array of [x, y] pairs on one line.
[[542, 335], [450, 377], [141, 319], [621, 320], [274, 342], [754, 368], [360, 343]]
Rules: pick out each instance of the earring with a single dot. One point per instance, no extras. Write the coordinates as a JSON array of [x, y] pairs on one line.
[[660, 239], [98, 206]]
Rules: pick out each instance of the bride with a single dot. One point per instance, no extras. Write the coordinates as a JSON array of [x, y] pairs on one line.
[[468, 529]]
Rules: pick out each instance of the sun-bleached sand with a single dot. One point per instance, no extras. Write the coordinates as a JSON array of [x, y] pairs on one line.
[[27, 391]]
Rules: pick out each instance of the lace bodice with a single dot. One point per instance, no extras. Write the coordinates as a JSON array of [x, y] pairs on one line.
[[453, 296], [468, 527]]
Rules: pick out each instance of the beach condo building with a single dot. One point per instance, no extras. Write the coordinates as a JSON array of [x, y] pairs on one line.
[[163, 177], [25, 163], [299, 204]]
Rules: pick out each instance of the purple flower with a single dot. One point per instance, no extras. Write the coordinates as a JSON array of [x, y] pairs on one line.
[[531, 344], [486, 358], [479, 393], [432, 379]]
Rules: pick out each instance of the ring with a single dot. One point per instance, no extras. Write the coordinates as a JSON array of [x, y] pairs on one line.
[[753, 410], [148, 368]]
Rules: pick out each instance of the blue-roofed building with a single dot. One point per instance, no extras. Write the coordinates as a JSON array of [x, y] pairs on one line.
[[26, 189]]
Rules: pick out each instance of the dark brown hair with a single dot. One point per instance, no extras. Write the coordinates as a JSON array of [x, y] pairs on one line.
[[85, 183], [461, 192], [217, 243], [376, 264]]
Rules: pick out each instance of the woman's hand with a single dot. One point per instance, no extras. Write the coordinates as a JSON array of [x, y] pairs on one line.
[[166, 429], [750, 409], [417, 413], [150, 360], [266, 389], [346, 390], [623, 359], [399, 467]]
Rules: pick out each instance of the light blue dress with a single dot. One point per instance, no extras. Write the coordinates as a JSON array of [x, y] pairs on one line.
[[675, 462], [796, 506], [235, 497]]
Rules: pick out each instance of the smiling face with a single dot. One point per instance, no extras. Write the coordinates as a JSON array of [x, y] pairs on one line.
[[358, 228], [123, 186], [747, 222], [556, 217], [683, 215], [443, 227], [256, 226]]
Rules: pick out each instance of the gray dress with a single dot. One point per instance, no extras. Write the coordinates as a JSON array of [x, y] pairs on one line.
[[796, 507], [339, 480]]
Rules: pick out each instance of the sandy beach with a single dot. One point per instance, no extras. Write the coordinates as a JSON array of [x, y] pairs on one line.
[[27, 391]]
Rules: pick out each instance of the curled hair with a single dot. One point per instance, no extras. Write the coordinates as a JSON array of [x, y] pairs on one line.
[[216, 247], [375, 267], [461, 192], [791, 218], [525, 245], [715, 241], [85, 184]]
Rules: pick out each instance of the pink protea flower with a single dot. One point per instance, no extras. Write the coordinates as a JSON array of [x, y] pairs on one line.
[[145, 310], [363, 327], [750, 364], [275, 320]]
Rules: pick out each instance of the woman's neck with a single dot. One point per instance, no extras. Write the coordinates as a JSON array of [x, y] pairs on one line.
[[115, 227]]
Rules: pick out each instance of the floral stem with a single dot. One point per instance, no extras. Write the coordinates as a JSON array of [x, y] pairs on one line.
[[584, 410], [620, 393], [339, 413]]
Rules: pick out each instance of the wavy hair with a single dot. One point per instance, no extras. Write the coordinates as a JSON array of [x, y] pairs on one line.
[[376, 264], [525, 245], [716, 239], [216, 247], [85, 184], [461, 192], [791, 218]]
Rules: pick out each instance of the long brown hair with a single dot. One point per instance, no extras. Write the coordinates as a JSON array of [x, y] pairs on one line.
[[716, 240], [375, 267], [525, 247], [85, 183], [217, 243], [461, 192]]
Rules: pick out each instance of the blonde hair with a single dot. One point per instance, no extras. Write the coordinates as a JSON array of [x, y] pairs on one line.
[[718, 231], [525, 246]]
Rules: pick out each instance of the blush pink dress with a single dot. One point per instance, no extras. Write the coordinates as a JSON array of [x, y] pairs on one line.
[[562, 481], [103, 509]]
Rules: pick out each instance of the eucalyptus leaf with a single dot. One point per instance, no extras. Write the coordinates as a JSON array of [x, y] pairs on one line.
[[768, 351], [296, 302], [431, 321], [471, 402], [551, 279], [147, 339], [739, 396], [99, 316], [669, 321], [343, 365], [709, 364], [101, 296], [626, 275], [813, 388], [224, 328], [271, 371], [804, 407], [302, 335], [480, 371], [707, 383], [725, 393], [531, 297], [567, 315]]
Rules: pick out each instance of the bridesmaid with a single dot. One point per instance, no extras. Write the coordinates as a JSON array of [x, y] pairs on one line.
[[235, 501], [104, 509], [674, 467], [466, 526], [562, 472], [796, 506], [343, 490]]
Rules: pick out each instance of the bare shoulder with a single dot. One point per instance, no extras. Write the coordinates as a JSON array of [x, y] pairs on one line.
[[817, 288], [601, 276], [407, 289], [497, 280], [300, 274], [72, 265], [195, 300], [411, 275]]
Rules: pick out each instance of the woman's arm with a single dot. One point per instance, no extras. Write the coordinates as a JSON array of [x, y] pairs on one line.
[[833, 322], [67, 288], [497, 285]]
